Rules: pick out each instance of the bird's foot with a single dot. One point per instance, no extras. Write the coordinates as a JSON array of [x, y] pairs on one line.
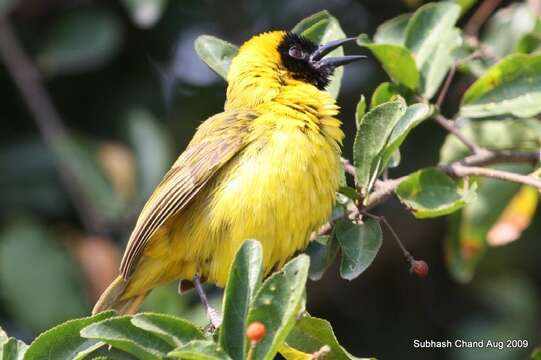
[[214, 317]]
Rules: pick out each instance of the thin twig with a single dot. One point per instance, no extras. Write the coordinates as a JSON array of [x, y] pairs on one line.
[[450, 126], [28, 81], [482, 13], [460, 170], [446, 85], [348, 167]]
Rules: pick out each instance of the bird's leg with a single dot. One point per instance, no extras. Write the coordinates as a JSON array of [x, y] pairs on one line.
[[214, 317]]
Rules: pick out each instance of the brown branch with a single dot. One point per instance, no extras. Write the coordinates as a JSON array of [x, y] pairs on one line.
[[460, 170], [28, 81], [348, 167], [481, 15], [450, 126]]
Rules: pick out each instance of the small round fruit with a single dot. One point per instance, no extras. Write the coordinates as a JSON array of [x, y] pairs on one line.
[[256, 331], [419, 268]]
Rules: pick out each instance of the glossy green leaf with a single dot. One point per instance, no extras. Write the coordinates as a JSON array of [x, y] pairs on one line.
[[360, 110], [277, 303], [13, 349], [244, 279], [145, 13], [120, 333], [397, 61], [321, 28], [374, 131], [426, 28], [80, 41], [199, 350], [431, 193], [152, 147], [433, 72], [310, 334], [52, 274], [466, 241], [322, 253], [385, 92], [507, 134], [392, 31], [64, 341], [172, 330], [216, 53], [414, 115], [511, 87], [359, 243]]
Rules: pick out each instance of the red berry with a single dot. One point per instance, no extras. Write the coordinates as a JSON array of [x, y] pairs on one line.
[[419, 267], [256, 331]]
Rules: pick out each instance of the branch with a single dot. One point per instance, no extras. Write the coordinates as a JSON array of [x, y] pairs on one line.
[[28, 81], [482, 13], [460, 170], [450, 126]]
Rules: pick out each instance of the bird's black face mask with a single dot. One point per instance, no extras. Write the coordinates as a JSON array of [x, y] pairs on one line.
[[307, 62]]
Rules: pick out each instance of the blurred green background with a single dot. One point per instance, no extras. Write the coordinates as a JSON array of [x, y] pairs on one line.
[[130, 90]]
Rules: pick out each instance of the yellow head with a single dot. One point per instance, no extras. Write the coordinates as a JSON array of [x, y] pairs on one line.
[[272, 61]]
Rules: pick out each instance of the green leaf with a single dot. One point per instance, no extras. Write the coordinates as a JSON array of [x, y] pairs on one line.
[[310, 334], [414, 115], [536, 354], [64, 341], [80, 41], [433, 72], [277, 304], [385, 92], [360, 110], [199, 350], [392, 31], [120, 333], [507, 134], [244, 279], [322, 253], [374, 131], [81, 162], [431, 193], [511, 87], [3, 337], [172, 330], [13, 349], [396, 60], [359, 243], [145, 13], [33, 262], [321, 28], [152, 147], [529, 43], [466, 240], [428, 25], [216, 53]]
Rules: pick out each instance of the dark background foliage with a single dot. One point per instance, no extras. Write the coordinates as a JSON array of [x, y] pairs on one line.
[[120, 81]]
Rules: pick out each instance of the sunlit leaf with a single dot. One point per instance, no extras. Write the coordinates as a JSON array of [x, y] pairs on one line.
[[359, 244], [216, 53], [174, 331], [360, 110], [511, 87], [80, 41], [199, 350], [13, 349], [392, 31], [431, 193]]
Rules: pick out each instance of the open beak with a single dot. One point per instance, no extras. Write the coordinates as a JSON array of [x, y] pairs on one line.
[[318, 61]]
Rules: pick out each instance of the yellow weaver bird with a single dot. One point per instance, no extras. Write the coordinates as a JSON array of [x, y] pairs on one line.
[[266, 168]]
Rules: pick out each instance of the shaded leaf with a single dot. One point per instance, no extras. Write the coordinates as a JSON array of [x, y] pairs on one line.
[[508, 134], [145, 13], [173, 330], [321, 28], [120, 333], [322, 253], [216, 53], [374, 131], [397, 61], [244, 279], [310, 334], [64, 341], [359, 243], [80, 41], [392, 31], [428, 25], [277, 304], [13, 349], [199, 350], [431, 193], [52, 274], [511, 87]]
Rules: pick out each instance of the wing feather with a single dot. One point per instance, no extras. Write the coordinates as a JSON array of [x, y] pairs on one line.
[[216, 141]]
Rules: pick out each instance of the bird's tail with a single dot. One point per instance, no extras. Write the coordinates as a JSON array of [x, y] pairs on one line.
[[113, 298]]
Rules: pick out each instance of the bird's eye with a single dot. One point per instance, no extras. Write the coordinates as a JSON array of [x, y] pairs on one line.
[[296, 52]]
